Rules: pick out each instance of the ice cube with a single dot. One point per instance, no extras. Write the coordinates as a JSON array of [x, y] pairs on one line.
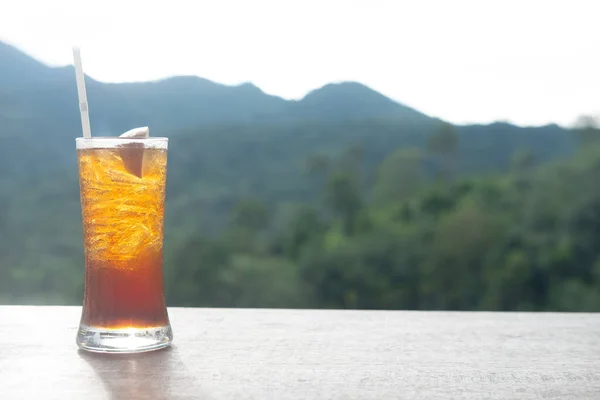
[[132, 154]]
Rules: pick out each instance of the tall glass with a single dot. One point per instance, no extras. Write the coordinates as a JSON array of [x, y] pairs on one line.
[[122, 186]]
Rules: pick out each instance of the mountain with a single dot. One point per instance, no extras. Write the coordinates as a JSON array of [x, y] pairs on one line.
[[18, 70], [352, 99], [39, 109], [226, 144], [39, 115], [248, 129], [171, 104]]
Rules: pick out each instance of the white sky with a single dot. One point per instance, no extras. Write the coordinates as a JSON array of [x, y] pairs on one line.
[[525, 61]]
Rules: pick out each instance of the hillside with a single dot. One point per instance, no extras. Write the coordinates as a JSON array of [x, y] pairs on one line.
[[171, 104], [227, 144]]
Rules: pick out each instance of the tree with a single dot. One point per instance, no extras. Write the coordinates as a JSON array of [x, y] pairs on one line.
[[587, 130], [249, 223], [343, 198], [368, 271], [306, 226], [251, 215], [452, 274], [318, 165], [352, 159], [399, 176], [443, 144], [197, 273], [522, 160]]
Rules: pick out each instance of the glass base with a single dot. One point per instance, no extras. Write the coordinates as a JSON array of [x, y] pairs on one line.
[[126, 340]]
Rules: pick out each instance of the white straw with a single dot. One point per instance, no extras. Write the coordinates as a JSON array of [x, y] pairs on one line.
[[83, 104]]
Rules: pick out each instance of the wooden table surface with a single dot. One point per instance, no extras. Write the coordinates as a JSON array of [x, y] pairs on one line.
[[303, 354]]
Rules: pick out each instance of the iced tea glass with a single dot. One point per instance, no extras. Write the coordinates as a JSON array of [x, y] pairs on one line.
[[122, 187]]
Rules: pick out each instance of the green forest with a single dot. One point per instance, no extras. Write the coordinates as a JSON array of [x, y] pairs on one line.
[[344, 199], [411, 232], [527, 239]]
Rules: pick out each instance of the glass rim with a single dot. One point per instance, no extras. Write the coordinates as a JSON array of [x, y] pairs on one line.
[[116, 141], [151, 138]]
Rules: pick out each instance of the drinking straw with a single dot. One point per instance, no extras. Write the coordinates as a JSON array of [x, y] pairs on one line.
[[83, 104]]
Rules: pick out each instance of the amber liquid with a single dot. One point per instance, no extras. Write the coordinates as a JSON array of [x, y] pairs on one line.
[[122, 200]]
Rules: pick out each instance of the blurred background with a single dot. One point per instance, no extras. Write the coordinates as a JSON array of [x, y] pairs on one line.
[[323, 154]]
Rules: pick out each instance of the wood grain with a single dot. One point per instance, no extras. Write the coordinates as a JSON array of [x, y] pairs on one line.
[[302, 354]]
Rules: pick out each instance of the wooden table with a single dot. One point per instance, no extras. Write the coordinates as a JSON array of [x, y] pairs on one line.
[[302, 354]]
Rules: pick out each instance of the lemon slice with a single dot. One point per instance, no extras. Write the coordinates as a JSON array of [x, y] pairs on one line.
[[137, 133]]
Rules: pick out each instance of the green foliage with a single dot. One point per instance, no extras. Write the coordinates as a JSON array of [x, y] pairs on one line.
[[443, 141], [399, 176], [342, 196], [504, 242], [443, 144], [251, 215], [398, 240], [587, 130], [522, 161], [329, 202]]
